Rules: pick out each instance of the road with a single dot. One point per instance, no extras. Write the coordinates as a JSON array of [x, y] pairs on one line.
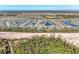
[[72, 38]]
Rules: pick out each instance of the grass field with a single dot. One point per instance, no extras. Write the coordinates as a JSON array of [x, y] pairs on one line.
[[38, 45]]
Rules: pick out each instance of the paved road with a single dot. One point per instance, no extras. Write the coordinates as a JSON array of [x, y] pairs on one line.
[[69, 37]]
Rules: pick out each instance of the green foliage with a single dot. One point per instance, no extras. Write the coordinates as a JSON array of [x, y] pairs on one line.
[[41, 45], [44, 45]]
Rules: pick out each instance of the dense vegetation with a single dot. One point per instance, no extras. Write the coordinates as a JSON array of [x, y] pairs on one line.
[[37, 45]]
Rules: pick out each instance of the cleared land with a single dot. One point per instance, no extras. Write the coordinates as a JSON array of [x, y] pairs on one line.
[[72, 38]]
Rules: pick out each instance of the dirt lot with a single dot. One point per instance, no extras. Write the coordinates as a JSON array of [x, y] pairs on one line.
[[72, 38]]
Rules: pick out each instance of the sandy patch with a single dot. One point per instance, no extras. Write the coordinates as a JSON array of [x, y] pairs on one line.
[[69, 37]]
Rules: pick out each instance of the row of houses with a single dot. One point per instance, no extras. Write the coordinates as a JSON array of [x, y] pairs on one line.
[[37, 21]]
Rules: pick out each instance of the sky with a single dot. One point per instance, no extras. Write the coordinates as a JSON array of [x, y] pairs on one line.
[[39, 7]]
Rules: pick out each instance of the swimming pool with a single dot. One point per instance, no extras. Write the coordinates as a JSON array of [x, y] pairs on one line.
[[47, 23], [68, 22]]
